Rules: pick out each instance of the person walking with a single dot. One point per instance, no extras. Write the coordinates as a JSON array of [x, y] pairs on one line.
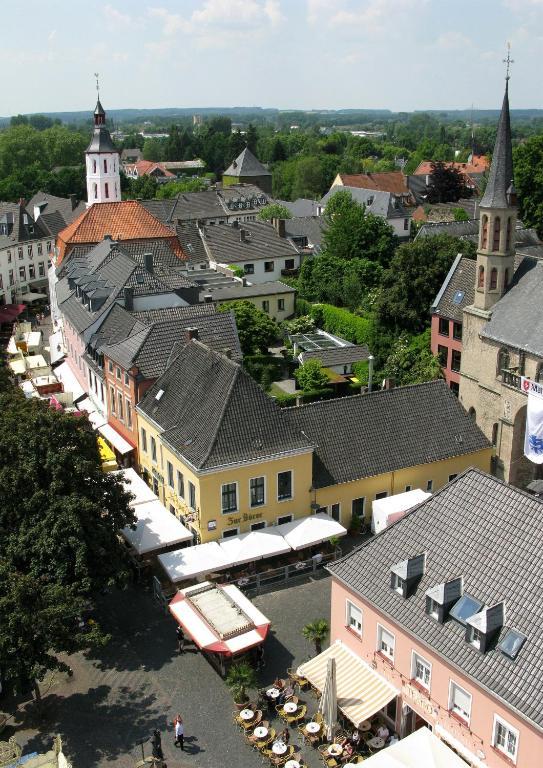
[[156, 742], [179, 732], [180, 639]]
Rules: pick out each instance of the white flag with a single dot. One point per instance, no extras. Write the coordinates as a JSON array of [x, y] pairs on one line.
[[533, 441]]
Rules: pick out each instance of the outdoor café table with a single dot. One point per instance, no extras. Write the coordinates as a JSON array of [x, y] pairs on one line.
[[289, 707], [312, 727], [365, 726], [279, 747], [260, 732], [335, 750], [246, 714], [292, 764], [273, 693], [376, 743]]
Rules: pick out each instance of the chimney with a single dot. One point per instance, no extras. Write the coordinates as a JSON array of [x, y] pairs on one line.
[[227, 353], [191, 333], [243, 236], [388, 383], [208, 298], [73, 200], [128, 299], [279, 225], [148, 262]]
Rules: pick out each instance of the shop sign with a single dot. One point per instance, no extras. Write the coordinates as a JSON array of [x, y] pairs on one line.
[[419, 700], [245, 518]]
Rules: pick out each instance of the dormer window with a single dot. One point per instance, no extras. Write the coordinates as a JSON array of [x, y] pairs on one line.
[[475, 637], [482, 627], [432, 608], [406, 574], [398, 584]]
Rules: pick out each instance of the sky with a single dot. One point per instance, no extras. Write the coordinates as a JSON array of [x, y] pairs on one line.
[[306, 54]]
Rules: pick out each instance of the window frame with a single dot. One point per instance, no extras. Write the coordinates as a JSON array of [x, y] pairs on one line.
[[236, 492], [456, 353], [353, 513], [429, 486], [280, 305], [230, 533], [169, 472], [380, 629], [460, 715], [259, 526], [498, 720], [180, 484], [439, 328], [263, 502], [291, 496], [153, 450], [457, 331], [192, 495], [416, 656], [267, 266], [143, 434], [348, 618], [281, 520]]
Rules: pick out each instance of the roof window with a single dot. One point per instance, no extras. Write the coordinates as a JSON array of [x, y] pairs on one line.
[[458, 297], [511, 643], [159, 394], [465, 607]]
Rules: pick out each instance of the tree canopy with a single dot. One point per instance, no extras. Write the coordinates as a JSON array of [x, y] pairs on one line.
[[529, 181], [311, 376], [256, 330], [274, 211], [447, 184]]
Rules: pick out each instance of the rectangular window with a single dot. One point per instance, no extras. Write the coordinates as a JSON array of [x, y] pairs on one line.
[[433, 608], [385, 642], [49, 246], [336, 512], [9, 257], [459, 701], [249, 269], [110, 366], [229, 497], [31, 272], [29, 251], [120, 399], [257, 491], [169, 467], [40, 249], [153, 450], [180, 485], [143, 440], [229, 532], [41, 269], [443, 326], [357, 507], [354, 617], [289, 263], [281, 305], [454, 386], [192, 496], [265, 306], [284, 519], [258, 526], [456, 359], [20, 253], [397, 583], [430, 486], [126, 379], [118, 373], [408, 488], [128, 413], [451, 477], [22, 273], [106, 187], [1, 282], [457, 331], [443, 355], [421, 670], [112, 399], [284, 485], [505, 738], [11, 277], [268, 266]]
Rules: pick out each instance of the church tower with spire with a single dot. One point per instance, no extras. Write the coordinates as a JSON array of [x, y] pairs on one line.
[[497, 220], [102, 161]]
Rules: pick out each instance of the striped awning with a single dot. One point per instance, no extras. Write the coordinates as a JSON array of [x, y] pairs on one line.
[[361, 692]]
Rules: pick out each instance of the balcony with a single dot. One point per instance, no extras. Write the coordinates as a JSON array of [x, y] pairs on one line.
[[511, 377]]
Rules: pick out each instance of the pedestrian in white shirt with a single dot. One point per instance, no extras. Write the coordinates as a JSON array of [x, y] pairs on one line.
[[383, 732], [179, 732]]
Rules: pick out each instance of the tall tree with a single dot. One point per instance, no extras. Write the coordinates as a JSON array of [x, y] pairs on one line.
[[256, 330], [251, 138], [447, 184], [529, 181]]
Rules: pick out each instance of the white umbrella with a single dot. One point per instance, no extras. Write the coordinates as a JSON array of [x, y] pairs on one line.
[[328, 702]]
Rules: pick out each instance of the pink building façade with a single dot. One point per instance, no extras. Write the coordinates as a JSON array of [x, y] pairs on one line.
[[473, 551]]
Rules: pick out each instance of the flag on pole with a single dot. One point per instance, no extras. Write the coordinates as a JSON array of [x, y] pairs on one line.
[[533, 440]]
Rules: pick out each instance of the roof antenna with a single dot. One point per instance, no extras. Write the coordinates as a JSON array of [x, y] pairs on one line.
[[97, 85], [508, 61]]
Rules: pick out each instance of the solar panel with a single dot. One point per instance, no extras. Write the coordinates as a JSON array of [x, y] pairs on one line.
[[464, 608], [512, 643], [458, 296]]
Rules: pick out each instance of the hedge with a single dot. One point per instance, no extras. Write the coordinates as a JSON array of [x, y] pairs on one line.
[[310, 396], [341, 322], [303, 307]]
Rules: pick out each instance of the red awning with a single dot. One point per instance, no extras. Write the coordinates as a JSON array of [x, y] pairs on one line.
[[9, 312]]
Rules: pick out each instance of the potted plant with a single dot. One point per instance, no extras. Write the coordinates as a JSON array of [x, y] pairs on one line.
[[355, 525], [240, 677], [316, 632]]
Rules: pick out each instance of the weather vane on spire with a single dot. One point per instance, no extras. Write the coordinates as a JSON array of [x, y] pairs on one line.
[[97, 85], [508, 61]]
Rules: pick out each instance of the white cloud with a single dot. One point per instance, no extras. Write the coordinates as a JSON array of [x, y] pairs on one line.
[[172, 22], [116, 17], [237, 13], [371, 15], [453, 40]]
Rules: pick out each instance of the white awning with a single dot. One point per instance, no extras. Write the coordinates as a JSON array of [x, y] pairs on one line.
[[115, 439], [361, 691], [56, 347], [94, 415], [255, 545], [64, 373], [308, 531], [31, 296], [156, 529], [193, 561], [386, 511], [420, 748], [133, 482]]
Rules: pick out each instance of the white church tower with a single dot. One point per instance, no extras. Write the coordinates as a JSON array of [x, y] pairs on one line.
[[103, 178]]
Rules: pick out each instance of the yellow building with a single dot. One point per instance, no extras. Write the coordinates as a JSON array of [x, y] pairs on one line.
[[224, 457]]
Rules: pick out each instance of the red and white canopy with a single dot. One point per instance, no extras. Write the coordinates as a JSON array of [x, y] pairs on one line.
[[219, 618]]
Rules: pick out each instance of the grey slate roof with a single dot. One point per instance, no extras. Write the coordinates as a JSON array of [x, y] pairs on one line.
[[214, 414], [501, 169], [13, 216], [191, 242], [383, 204], [68, 208], [489, 533], [468, 230], [225, 246], [517, 320], [170, 313], [367, 435], [337, 355], [461, 280], [311, 227], [235, 290], [246, 164], [214, 204], [101, 140], [302, 207], [151, 349]]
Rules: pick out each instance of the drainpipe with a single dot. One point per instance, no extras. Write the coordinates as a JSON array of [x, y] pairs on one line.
[[370, 372]]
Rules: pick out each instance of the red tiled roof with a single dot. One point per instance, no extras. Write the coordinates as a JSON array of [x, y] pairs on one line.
[[125, 220], [419, 214], [390, 181], [146, 167], [479, 164]]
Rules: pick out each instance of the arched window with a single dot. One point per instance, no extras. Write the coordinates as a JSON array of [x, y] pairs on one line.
[[503, 361], [495, 428], [95, 191], [509, 228], [496, 234], [106, 188], [493, 279], [473, 413], [481, 279], [484, 232], [506, 279], [105, 165], [94, 166]]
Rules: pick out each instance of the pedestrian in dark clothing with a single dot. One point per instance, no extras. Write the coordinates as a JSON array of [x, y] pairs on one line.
[[259, 657], [180, 639], [156, 742]]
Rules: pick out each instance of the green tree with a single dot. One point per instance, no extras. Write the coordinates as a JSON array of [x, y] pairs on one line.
[[529, 181], [447, 184], [145, 187], [239, 678], [411, 361], [251, 138], [316, 632], [174, 188], [416, 274], [311, 376], [274, 211], [460, 214], [256, 330], [278, 152]]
